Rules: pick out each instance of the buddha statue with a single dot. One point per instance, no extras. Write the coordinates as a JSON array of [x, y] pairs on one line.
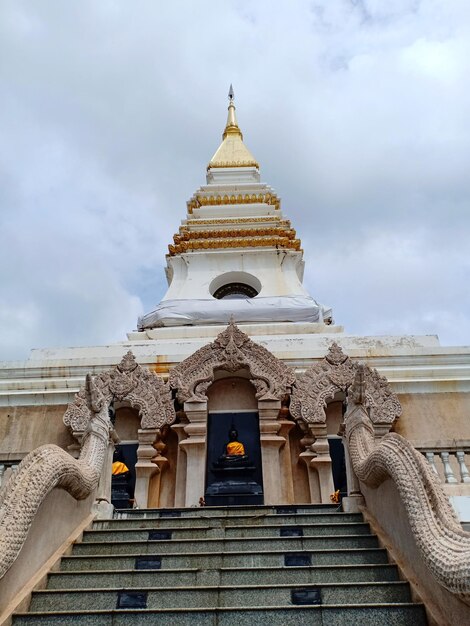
[[234, 451], [231, 476]]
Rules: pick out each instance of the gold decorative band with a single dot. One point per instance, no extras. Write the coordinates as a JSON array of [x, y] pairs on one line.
[[233, 164], [237, 220], [216, 200], [186, 235], [245, 242]]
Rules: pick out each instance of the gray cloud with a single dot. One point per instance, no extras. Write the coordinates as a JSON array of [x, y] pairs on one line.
[[357, 111]]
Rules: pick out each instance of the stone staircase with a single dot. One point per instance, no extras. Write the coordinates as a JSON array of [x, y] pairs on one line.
[[231, 566]]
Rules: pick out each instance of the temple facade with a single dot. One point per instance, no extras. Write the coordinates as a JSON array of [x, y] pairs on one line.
[[234, 334], [233, 390]]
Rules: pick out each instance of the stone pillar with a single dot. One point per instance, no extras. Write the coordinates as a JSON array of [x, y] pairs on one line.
[[354, 499], [195, 448], [271, 444], [306, 457], [322, 461], [145, 467], [286, 462], [318, 461], [161, 463], [180, 479]]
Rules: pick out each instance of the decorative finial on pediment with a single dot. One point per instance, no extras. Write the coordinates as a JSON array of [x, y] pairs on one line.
[[231, 335], [128, 362], [335, 354]]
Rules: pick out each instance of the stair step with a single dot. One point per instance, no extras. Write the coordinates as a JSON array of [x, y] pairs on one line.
[[222, 576], [207, 521], [213, 597], [226, 566], [226, 511], [227, 545], [269, 558], [229, 531], [406, 614]]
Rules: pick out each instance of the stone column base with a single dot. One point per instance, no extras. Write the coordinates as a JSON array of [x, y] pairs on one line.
[[103, 509], [353, 504]]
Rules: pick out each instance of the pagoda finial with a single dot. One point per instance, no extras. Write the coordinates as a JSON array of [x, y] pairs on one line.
[[232, 128], [232, 152]]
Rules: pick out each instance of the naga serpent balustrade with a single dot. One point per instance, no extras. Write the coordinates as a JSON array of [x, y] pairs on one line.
[[47, 467], [444, 545]]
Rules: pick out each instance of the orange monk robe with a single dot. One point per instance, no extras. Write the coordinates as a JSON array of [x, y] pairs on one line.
[[119, 468], [235, 448]]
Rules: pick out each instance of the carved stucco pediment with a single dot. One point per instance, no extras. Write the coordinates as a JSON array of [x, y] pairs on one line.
[[129, 382], [335, 373], [231, 351]]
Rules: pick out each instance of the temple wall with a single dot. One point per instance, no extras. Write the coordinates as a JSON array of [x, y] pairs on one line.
[[127, 424], [428, 419], [23, 428], [231, 394]]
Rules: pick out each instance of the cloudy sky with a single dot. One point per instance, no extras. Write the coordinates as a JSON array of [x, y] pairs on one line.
[[357, 110]]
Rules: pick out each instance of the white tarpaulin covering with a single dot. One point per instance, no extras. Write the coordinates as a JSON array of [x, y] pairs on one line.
[[213, 311]]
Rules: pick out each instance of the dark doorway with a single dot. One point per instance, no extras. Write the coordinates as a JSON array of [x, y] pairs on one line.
[[338, 465], [123, 486], [234, 485]]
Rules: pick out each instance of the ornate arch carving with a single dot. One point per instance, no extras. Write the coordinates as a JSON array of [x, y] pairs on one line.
[[128, 381], [232, 350], [336, 372]]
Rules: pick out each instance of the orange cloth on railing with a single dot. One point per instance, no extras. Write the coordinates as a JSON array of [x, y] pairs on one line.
[[119, 468], [235, 448]]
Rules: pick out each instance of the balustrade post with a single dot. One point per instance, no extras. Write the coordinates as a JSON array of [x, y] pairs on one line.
[[448, 473], [430, 459], [464, 473]]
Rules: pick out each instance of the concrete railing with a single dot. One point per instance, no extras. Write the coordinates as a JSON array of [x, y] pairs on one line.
[[450, 463]]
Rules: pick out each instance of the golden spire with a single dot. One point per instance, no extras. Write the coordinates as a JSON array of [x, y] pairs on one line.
[[232, 125], [232, 152]]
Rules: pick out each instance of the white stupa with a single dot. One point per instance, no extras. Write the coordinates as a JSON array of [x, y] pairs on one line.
[[235, 255]]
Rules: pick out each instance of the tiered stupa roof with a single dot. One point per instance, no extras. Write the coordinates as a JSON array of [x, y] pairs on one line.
[[235, 255], [234, 210]]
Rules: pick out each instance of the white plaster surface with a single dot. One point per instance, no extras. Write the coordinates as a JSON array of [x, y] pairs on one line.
[[461, 505], [412, 364]]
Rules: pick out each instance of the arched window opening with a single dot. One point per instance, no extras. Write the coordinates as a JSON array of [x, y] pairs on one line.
[[235, 291]]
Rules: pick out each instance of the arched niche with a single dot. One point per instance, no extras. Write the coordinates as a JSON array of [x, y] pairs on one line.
[[128, 384], [231, 404], [196, 381], [231, 351], [131, 385], [334, 374], [314, 405], [307, 476]]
